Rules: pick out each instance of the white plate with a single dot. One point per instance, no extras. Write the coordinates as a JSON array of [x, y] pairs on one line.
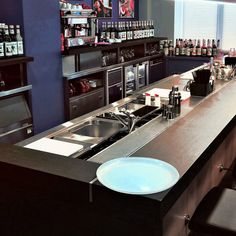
[[137, 175]]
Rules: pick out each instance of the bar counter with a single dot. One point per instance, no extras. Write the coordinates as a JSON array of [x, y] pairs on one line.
[[49, 194]]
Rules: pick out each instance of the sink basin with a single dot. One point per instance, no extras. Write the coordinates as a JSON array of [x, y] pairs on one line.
[[99, 128]]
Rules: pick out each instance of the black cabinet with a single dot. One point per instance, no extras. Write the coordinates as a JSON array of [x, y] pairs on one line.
[[114, 85], [156, 70], [181, 64], [86, 103]]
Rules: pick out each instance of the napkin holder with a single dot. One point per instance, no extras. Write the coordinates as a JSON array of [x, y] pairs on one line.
[[201, 86]]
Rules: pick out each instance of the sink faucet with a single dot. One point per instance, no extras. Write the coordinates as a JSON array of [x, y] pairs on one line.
[[130, 122]]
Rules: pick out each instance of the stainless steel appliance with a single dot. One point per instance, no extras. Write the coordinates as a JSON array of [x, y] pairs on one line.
[[136, 77], [15, 120], [114, 82]]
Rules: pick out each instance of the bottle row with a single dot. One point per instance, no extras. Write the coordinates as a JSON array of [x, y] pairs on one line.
[[129, 30], [11, 41], [191, 47]]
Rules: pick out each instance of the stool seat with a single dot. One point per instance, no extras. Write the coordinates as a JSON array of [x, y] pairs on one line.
[[216, 213]]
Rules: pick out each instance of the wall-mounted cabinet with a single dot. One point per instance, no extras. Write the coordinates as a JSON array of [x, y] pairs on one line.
[[16, 122]]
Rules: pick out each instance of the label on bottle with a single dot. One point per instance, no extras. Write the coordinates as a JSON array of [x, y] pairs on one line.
[[8, 49], [199, 52], [151, 32], [14, 48], [177, 51], [20, 48], [204, 51], [1, 50], [209, 52]]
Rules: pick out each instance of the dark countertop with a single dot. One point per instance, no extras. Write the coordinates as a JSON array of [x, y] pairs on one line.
[[186, 144]]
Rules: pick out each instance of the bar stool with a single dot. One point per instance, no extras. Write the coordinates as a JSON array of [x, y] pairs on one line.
[[216, 214]]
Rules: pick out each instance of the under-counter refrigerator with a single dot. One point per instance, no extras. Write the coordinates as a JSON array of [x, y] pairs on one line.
[[135, 77]]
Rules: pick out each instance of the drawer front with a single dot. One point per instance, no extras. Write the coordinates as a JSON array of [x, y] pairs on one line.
[[86, 103]]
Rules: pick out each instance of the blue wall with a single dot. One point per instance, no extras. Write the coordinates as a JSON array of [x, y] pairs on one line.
[[41, 25], [42, 41]]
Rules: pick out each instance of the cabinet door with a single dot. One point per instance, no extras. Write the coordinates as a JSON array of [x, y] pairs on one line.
[[179, 65], [156, 71], [86, 103]]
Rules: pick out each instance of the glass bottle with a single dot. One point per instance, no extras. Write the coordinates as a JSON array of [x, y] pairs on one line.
[[198, 48], [209, 48], [20, 43], [177, 47], [13, 40], [204, 48], [2, 54], [7, 42]]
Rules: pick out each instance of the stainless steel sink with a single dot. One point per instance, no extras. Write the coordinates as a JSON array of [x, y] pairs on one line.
[[98, 128]]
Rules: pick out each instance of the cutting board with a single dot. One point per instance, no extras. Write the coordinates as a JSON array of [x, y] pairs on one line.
[[55, 146], [164, 93]]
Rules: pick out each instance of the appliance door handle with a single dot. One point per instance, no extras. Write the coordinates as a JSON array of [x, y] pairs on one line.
[[15, 130], [156, 63]]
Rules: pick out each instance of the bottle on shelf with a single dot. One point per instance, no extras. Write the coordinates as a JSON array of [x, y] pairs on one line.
[[177, 47], [152, 29], [187, 48], [7, 42], [194, 49], [204, 48], [166, 48], [14, 47], [214, 48], [171, 48], [198, 48], [112, 30], [2, 53], [108, 31], [209, 48]]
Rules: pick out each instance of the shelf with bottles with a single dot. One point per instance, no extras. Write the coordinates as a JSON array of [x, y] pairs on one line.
[[131, 53], [84, 85], [11, 41], [192, 48]]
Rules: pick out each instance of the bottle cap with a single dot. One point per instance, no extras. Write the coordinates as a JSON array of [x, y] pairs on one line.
[[156, 95], [147, 94]]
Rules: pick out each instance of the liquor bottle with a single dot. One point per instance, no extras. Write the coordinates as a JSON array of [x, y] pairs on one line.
[[171, 49], [209, 48], [2, 54], [13, 41], [177, 47], [152, 29], [214, 48], [124, 33], [131, 31], [194, 50], [187, 48], [103, 32], [7, 42], [204, 48], [198, 48], [112, 30], [218, 47], [147, 29], [143, 34], [108, 31], [135, 30], [116, 30], [20, 43], [119, 31], [127, 30], [166, 48], [182, 48]]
